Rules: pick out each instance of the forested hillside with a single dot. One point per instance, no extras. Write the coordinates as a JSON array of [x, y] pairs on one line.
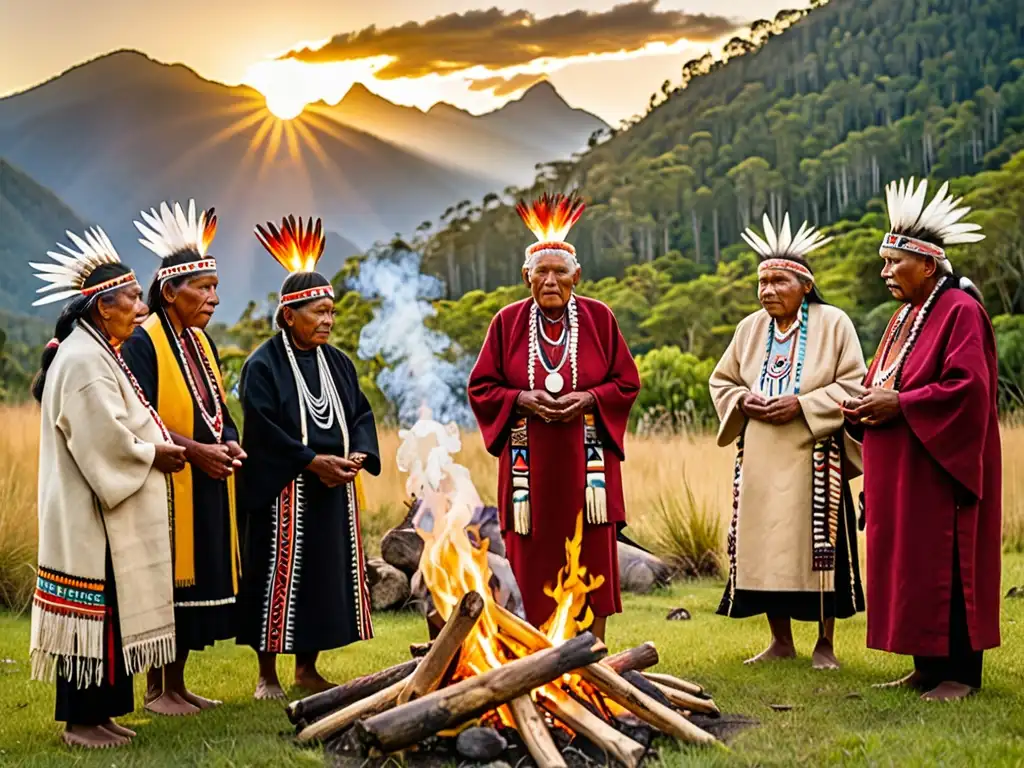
[[812, 113]]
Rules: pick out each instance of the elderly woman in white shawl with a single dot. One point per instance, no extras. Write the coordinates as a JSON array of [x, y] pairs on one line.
[[778, 390], [103, 538]]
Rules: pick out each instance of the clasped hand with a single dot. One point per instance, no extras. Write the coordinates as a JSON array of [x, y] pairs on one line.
[[337, 470], [874, 407], [777, 411], [565, 408], [218, 460]]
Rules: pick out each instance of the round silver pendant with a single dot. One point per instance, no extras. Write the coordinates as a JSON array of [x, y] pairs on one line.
[[554, 383]]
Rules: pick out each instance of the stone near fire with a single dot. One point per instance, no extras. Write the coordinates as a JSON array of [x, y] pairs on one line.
[[389, 587], [401, 548], [480, 744], [639, 571]]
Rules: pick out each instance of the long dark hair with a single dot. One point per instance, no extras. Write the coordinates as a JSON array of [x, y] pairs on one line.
[[295, 282], [77, 309]]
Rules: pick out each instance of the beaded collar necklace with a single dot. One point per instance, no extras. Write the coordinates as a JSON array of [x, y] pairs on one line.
[[895, 369]]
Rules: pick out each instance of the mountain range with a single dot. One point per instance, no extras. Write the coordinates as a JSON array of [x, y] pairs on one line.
[[123, 132]]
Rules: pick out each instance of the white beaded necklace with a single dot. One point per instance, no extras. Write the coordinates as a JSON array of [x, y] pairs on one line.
[[882, 375], [324, 408], [553, 382]]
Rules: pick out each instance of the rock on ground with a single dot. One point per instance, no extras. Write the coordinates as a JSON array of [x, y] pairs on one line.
[[389, 587]]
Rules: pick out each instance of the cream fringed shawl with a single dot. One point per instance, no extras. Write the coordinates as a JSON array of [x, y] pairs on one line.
[[98, 489]]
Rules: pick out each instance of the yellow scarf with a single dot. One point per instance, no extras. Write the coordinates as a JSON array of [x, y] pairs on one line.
[[174, 404]]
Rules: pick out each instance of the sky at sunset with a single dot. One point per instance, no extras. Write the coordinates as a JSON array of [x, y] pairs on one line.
[[605, 56]]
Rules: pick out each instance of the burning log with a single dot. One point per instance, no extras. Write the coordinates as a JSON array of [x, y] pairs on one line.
[[674, 682], [642, 684], [444, 648], [410, 723], [343, 718], [643, 706], [534, 730], [688, 701], [583, 721], [639, 658], [313, 707]]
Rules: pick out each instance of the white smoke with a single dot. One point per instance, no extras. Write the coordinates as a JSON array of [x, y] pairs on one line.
[[417, 373]]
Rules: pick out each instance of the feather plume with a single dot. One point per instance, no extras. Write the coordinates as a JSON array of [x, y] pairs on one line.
[[783, 243], [939, 220], [72, 268], [297, 246], [169, 231], [550, 217]]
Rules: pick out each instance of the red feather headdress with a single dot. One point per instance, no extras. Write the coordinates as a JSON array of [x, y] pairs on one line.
[[550, 217], [296, 246]]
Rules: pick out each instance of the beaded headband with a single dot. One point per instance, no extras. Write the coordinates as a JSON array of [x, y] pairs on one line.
[[911, 245], [319, 292], [787, 264]]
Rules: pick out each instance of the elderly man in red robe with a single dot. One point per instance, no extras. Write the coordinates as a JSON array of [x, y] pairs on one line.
[[932, 467], [552, 390]]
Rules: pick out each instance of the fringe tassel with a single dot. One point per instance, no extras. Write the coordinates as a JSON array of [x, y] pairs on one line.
[[597, 505], [68, 645], [153, 652], [521, 510]]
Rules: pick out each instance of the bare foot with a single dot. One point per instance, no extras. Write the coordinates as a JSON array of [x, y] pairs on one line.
[[172, 705], [824, 656], [313, 681], [92, 737], [915, 681], [118, 730], [949, 691], [774, 652], [198, 701], [267, 690]]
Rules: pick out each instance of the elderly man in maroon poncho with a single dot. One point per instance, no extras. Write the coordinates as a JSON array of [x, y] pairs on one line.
[[932, 472], [552, 390]]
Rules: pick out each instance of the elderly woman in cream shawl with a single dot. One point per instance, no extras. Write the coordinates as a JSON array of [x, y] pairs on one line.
[[102, 606], [778, 390]]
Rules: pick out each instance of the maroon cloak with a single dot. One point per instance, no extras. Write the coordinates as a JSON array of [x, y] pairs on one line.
[[557, 462], [933, 473]]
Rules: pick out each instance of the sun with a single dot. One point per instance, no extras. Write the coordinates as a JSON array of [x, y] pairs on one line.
[[289, 86]]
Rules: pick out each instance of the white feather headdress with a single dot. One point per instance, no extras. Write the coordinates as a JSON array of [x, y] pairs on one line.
[[169, 232], [910, 221], [778, 249], [67, 276]]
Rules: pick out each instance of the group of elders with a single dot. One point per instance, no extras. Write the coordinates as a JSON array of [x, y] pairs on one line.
[[136, 434]]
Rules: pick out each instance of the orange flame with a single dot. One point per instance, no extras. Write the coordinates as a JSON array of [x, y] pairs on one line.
[[550, 217], [452, 565], [296, 247]]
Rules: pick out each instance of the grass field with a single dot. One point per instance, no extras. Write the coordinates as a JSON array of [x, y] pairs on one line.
[[837, 719]]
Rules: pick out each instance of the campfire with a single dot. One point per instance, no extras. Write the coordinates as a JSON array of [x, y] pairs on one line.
[[540, 687]]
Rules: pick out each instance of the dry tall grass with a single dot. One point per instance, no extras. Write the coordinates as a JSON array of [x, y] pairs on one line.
[[675, 486]]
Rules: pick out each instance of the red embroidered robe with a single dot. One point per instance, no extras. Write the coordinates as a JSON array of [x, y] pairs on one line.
[[934, 473], [556, 456]]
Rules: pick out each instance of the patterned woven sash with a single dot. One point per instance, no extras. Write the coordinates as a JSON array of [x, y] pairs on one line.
[[594, 480], [826, 501]]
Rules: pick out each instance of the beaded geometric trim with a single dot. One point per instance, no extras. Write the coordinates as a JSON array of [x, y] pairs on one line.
[[912, 245], [178, 270], [310, 293], [554, 245]]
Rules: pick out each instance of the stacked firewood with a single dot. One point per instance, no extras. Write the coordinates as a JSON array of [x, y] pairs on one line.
[[573, 688]]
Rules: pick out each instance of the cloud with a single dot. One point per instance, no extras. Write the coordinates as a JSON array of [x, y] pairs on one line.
[[495, 39], [506, 86]]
